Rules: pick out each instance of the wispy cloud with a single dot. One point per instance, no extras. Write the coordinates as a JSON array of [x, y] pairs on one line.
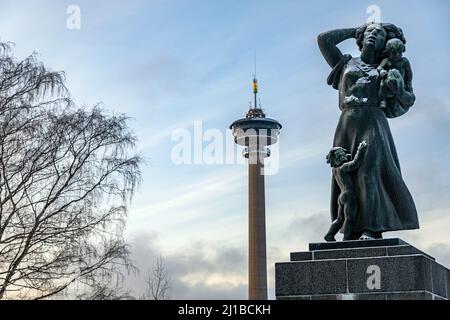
[[195, 273]]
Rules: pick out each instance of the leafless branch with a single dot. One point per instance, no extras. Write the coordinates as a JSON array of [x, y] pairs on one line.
[[66, 178], [158, 282]]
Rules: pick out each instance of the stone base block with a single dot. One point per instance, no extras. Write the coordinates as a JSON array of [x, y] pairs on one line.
[[385, 269]]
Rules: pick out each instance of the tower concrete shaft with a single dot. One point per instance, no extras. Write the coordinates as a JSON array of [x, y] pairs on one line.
[[257, 275]]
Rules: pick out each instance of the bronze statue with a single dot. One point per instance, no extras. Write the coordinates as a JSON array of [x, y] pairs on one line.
[[384, 202], [342, 164]]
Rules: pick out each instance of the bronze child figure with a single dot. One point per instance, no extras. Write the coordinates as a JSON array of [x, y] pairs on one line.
[[342, 164], [394, 65]]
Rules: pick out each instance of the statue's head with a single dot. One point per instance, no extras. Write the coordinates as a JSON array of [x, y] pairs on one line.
[[338, 156], [395, 49], [374, 36]]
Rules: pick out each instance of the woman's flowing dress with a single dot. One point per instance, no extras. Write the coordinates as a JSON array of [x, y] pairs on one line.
[[385, 203]]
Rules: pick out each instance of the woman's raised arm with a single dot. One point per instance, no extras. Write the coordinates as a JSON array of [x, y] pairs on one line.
[[328, 42]]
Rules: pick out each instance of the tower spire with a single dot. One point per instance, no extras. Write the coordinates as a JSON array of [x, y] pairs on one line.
[[255, 85], [256, 111], [255, 91]]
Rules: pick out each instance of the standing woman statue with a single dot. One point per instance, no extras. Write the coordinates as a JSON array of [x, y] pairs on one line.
[[384, 202]]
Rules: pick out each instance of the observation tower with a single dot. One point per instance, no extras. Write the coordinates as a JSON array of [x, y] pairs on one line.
[[256, 133]]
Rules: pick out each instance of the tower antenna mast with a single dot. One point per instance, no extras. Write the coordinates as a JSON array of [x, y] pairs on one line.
[[255, 86]]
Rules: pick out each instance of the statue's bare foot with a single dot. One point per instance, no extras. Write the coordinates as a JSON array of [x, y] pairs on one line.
[[369, 235], [329, 238]]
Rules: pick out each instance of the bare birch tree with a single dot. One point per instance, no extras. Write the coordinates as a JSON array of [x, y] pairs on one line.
[[158, 282], [66, 176]]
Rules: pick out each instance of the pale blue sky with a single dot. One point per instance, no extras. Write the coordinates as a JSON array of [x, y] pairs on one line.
[[169, 63]]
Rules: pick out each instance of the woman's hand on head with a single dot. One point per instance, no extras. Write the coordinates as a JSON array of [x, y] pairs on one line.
[[360, 29]]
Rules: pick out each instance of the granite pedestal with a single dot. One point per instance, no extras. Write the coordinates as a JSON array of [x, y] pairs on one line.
[[385, 269]]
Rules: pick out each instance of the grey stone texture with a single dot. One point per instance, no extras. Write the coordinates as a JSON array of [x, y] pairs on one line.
[[341, 271], [356, 244], [398, 274], [301, 256], [397, 250], [311, 277]]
